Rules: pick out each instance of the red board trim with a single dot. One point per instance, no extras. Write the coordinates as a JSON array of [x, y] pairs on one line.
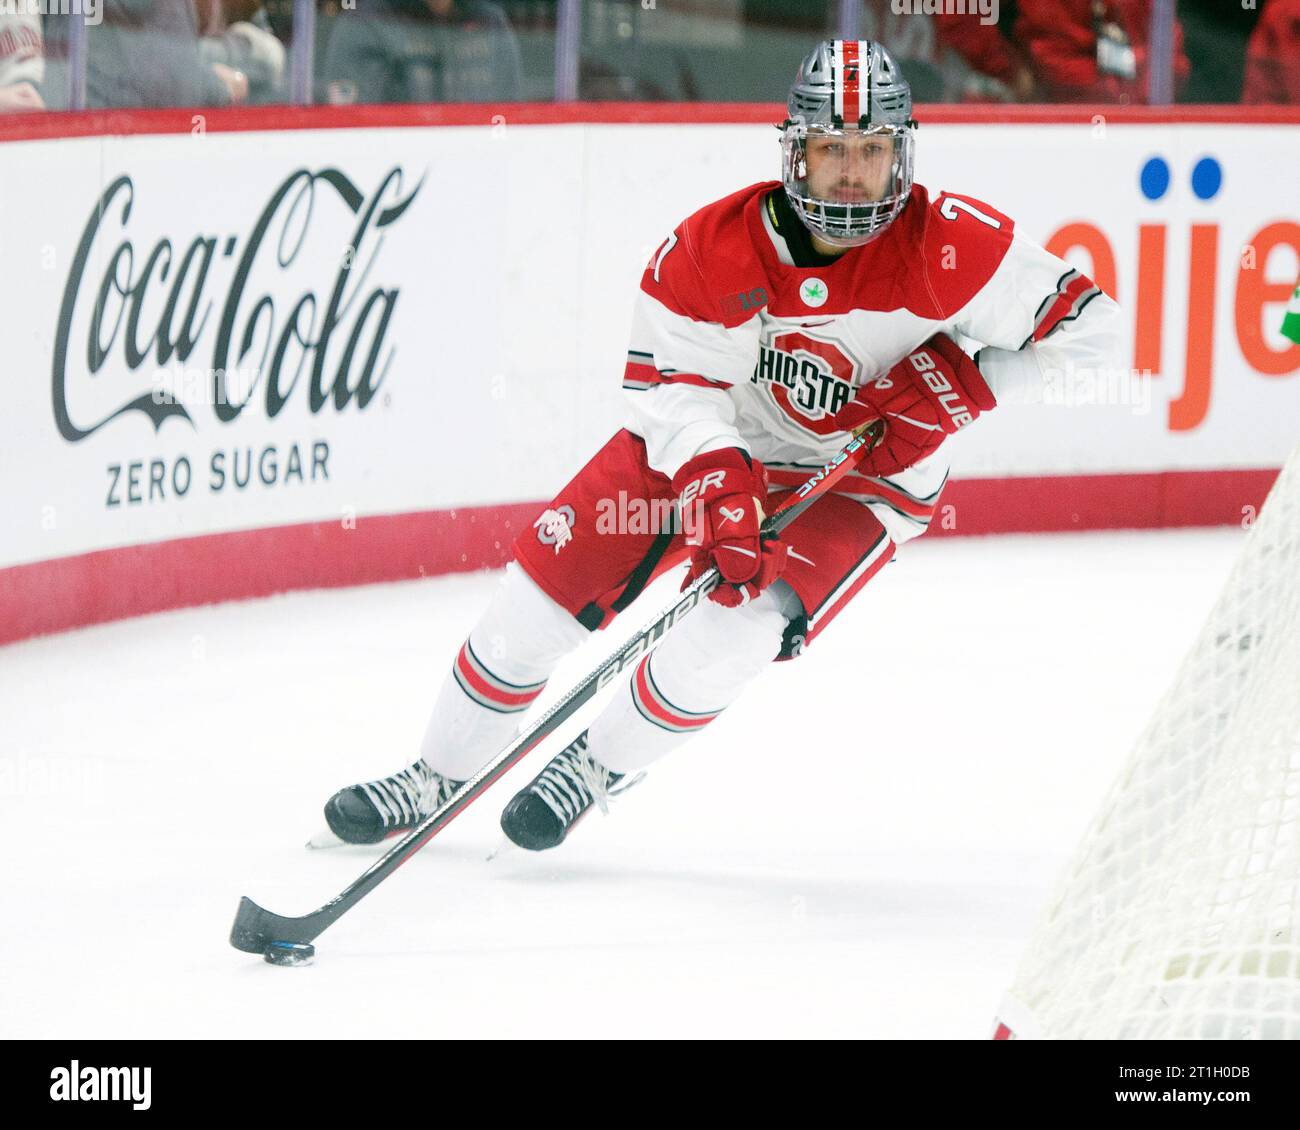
[[46, 125], [111, 584]]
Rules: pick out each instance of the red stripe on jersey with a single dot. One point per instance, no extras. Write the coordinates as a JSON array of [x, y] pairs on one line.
[[1063, 306], [852, 94], [494, 694], [899, 499], [693, 379], [655, 705], [641, 373], [779, 478]]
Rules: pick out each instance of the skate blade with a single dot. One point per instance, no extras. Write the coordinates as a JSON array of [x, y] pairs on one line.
[[505, 847], [325, 839]]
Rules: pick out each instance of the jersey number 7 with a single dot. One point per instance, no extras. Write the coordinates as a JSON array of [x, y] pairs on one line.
[[669, 244], [951, 206]]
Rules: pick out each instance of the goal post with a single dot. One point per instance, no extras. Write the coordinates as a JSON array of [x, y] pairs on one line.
[[1179, 916]]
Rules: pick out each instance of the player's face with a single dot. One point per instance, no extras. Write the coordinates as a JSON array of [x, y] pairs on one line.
[[849, 167]]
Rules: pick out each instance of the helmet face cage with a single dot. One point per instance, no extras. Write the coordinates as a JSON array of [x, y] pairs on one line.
[[848, 88], [846, 223]]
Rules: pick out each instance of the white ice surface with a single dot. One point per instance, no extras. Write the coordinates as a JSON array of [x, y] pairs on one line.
[[857, 848]]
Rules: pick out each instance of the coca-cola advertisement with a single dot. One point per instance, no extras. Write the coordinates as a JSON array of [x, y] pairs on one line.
[[338, 332], [162, 334]]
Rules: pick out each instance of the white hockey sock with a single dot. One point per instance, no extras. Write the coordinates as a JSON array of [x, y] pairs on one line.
[[700, 668], [499, 671]]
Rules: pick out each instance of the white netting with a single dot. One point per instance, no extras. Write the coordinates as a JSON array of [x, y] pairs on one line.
[[1180, 914]]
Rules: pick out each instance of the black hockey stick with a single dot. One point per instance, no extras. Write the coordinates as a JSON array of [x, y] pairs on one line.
[[255, 928]]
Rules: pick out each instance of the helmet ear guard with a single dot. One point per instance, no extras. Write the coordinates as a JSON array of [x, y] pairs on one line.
[[842, 82]]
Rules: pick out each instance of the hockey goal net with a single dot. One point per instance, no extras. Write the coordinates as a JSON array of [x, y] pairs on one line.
[[1179, 916]]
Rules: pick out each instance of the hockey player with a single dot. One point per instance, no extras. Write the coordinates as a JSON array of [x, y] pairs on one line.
[[768, 326]]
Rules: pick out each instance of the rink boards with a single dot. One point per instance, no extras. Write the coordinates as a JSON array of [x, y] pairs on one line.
[[260, 350]]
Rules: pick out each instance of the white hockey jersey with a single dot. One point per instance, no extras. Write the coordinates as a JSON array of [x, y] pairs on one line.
[[744, 336]]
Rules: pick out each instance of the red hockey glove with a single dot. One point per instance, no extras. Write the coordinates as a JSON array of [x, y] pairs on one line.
[[932, 392], [721, 493]]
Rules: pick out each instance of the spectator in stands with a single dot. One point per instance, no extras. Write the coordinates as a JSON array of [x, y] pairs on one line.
[[22, 62], [146, 53], [238, 35], [1091, 50], [422, 51], [990, 49], [1273, 55]]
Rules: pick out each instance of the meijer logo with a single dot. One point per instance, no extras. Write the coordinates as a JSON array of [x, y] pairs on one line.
[[1254, 300], [101, 1084]]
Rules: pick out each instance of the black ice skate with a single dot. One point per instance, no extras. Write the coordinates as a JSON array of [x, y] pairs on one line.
[[365, 814], [540, 815]]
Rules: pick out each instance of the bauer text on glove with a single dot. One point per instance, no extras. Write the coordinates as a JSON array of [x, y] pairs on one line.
[[931, 393]]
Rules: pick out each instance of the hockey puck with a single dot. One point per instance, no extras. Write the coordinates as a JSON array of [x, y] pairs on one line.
[[289, 953]]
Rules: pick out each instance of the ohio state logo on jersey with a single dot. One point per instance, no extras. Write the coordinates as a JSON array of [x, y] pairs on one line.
[[809, 378], [555, 527]]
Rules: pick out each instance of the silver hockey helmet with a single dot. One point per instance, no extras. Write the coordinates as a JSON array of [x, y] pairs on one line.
[[852, 103]]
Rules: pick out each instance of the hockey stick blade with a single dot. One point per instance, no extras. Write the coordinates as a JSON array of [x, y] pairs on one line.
[[255, 928]]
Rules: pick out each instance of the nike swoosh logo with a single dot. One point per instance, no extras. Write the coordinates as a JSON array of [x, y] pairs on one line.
[[814, 325]]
